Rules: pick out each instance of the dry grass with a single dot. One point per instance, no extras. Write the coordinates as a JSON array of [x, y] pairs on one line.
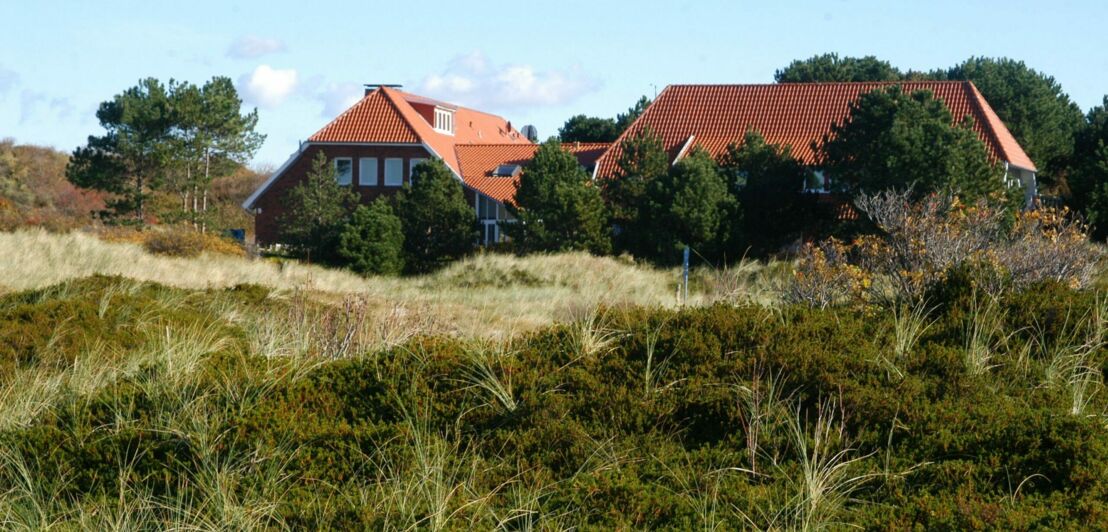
[[485, 295]]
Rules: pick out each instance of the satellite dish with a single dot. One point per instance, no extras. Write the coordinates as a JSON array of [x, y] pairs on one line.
[[530, 132]]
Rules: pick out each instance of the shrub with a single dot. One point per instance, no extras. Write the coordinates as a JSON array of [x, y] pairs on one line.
[[917, 244], [372, 242], [673, 419], [183, 242]]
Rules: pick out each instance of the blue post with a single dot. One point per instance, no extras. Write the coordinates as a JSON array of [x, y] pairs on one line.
[[685, 274]]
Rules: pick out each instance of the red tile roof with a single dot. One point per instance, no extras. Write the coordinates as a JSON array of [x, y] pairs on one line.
[[795, 114], [478, 161], [375, 118], [388, 115]]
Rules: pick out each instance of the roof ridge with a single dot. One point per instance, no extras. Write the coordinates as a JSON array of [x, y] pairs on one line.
[[809, 83], [994, 125]]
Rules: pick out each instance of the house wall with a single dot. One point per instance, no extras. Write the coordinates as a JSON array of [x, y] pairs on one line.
[[270, 205]]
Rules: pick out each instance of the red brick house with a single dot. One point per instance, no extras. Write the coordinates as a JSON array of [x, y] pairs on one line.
[[798, 114], [376, 143]]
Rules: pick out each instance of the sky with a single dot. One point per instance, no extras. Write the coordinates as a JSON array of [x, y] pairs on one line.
[[301, 63]]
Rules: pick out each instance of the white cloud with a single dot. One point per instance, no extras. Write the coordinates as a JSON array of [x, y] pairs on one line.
[[267, 86], [8, 79], [473, 80], [253, 46], [337, 97], [30, 102]]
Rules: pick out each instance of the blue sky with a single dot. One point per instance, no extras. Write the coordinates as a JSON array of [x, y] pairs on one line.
[[302, 62]]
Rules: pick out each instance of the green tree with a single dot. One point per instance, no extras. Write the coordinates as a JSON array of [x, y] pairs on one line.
[[130, 158], [372, 242], [581, 128], [211, 139], [1089, 177], [557, 207], [831, 67], [1032, 105], [691, 205], [624, 120], [642, 160], [768, 182], [316, 210], [440, 226], [897, 140]]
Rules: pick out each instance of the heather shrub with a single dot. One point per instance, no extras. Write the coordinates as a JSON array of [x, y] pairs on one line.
[[722, 416]]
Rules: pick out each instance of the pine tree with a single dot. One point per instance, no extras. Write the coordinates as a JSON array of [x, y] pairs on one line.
[[372, 243], [440, 226], [1089, 177], [768, 182], [129, 161], [691, 206], [642, 160], [316, 210], [557, 207], [895, 140]]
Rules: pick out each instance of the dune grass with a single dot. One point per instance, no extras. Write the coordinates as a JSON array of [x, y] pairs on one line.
[[491, 295]]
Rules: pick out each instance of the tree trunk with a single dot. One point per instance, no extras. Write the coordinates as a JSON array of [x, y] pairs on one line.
[[207, 184], [139, 182]]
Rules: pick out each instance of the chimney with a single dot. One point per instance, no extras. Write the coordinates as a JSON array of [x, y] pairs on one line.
[[370, 87]]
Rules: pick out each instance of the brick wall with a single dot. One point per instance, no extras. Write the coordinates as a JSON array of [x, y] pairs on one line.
[[271, 203]]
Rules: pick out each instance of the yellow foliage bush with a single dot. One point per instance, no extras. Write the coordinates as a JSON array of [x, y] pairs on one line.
[[183, 242]]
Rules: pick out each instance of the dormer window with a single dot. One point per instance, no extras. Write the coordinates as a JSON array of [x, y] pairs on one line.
[[444, 121]]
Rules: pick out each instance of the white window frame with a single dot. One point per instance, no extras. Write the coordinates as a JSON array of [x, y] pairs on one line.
[[412, 164], [367, 178], [444, 121], [399, 176], [338, 176]]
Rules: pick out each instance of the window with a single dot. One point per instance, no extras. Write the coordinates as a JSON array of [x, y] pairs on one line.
[[507, 170], [412, 163], [367, 171], [344, 170], [444, 121], [487, 208], [394, 172]]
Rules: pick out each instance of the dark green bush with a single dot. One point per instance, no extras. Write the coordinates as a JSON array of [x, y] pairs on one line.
[[372, 242], [610, 448]]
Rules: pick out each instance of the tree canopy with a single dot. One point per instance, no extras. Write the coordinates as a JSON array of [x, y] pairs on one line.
[[642, 160], [210, 139], [690, 205], [767, 181], [128, 160], [582, 128], [439, 224], [372, 242], [1032, 105], [315, 211], [557, 208], [831, 67], [1089, 176], [181, 138], [896, 140]]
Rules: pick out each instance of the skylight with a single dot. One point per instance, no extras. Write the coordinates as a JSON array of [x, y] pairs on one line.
[[507, 170]]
